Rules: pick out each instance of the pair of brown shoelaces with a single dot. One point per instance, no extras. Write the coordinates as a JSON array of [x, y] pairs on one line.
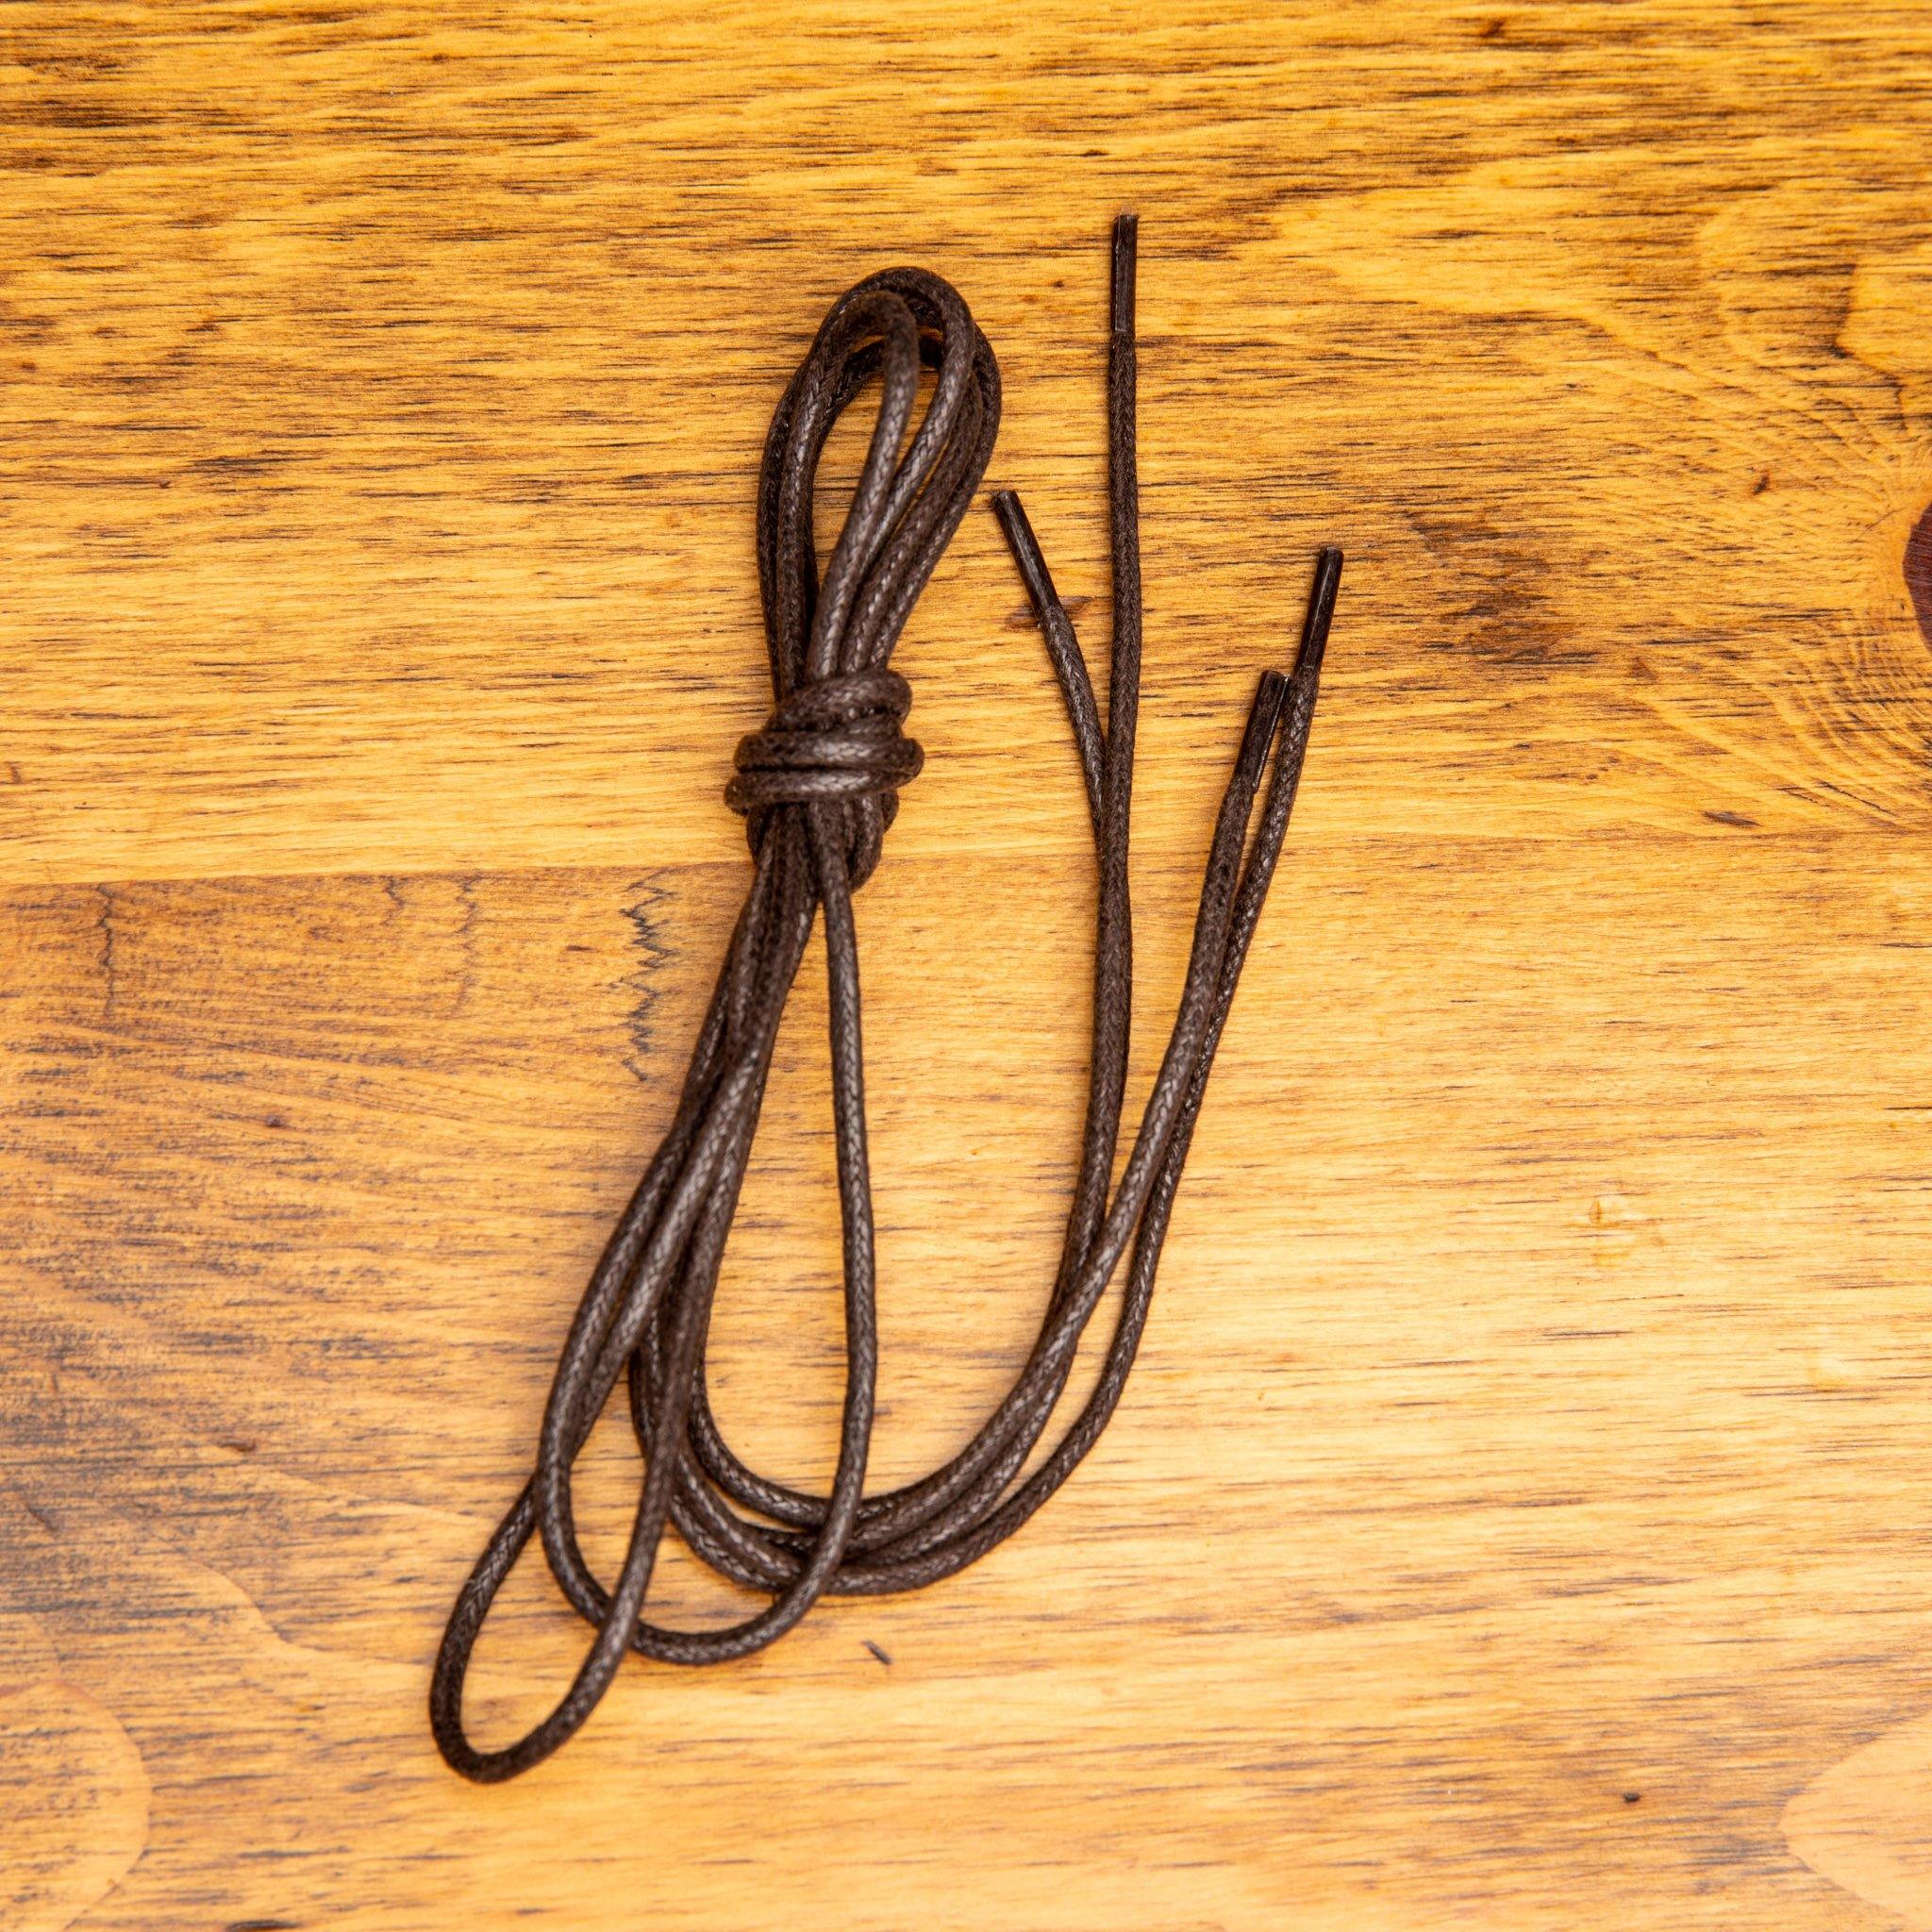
[[818, 787]]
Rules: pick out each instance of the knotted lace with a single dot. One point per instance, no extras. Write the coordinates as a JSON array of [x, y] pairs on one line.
[[817, 785]]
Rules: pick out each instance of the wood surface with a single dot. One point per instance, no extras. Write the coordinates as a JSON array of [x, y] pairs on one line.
[[1519, 1517]]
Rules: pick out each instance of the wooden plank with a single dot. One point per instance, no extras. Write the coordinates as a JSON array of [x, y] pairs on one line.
[[1516, 1518], [387, 387], [1533, 1413]]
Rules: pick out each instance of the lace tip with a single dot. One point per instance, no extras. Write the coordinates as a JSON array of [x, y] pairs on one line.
[[1321, 594], [1258, 738], [1271, 694], [1020, 541], [1126, 231]]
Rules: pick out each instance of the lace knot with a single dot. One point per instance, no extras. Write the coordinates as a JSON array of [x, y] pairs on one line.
[[834, 743]]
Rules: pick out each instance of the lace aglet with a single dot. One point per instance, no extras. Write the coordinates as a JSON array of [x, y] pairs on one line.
[[1062, 646], [1271, 694], [1126, 231], [1307, 661], [1265, 721], [1027, 558]]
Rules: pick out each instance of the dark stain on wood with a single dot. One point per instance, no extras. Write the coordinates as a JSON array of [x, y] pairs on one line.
[[1919, 572], [1020, 616], [653, 954]]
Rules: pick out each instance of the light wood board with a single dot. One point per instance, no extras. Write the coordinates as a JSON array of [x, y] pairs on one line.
[[1519, 1517]]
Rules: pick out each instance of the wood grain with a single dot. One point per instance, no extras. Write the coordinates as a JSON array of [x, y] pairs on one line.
[[1918, 573], [1518, 1517]]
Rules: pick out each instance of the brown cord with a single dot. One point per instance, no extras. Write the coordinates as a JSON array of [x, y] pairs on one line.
[[818, 787]]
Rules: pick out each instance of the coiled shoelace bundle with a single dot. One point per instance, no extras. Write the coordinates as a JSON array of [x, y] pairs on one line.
[[818, 787]]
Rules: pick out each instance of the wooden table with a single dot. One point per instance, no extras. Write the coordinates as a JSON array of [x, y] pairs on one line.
[[1520, 1515]]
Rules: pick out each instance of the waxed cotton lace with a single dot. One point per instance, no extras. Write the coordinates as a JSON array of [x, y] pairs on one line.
[[818, 787]]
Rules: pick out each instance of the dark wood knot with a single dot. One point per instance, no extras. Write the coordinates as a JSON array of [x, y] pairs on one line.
[[1919, 572]]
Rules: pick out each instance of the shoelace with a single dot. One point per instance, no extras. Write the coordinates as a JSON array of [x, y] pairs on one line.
[[818, 787]]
